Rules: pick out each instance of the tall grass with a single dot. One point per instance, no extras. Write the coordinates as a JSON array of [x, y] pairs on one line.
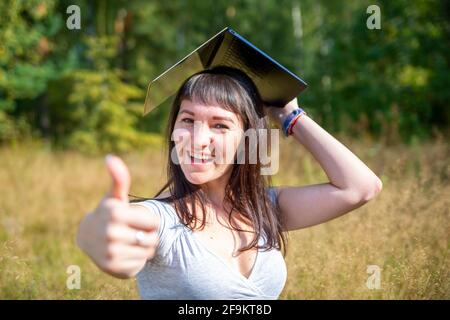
[[404, 231]]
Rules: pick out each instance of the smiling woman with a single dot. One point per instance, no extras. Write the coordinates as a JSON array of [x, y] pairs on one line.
[[218, 215], [209, 115], [216, 229]]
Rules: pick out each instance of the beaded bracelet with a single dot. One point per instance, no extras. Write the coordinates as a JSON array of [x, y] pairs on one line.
[[291, 119]]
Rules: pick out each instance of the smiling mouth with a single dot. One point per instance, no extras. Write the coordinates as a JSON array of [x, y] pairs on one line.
[[196, 158]]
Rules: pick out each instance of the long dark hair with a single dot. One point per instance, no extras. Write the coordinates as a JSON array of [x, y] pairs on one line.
[[246, 191]]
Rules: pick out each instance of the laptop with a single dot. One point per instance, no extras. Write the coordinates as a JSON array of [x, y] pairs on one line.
[[276, 84]]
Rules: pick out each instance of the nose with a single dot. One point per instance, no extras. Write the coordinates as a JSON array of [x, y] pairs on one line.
[[202, 136]]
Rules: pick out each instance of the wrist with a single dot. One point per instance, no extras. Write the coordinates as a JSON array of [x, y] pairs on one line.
[[291, 119], [281, 114], [288, 111]]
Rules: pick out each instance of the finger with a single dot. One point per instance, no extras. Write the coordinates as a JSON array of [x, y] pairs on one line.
[[135, 215], [131, 252], [131, 265], [120, 178], [131, 236], [141, 218]]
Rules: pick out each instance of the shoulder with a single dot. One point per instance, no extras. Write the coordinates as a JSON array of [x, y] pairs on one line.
[[151, 202]]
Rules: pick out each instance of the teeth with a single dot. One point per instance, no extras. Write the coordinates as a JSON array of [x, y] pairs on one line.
[[200, 157]]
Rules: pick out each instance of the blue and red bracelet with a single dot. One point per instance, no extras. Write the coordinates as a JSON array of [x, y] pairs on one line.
[[291, 120]]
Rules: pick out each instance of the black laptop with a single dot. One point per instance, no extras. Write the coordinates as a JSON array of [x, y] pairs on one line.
[[276, 84]]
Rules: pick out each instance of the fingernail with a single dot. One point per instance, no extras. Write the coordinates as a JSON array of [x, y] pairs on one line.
[[108, 157]]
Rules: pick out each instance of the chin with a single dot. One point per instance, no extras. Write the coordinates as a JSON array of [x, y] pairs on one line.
[[198, 178]]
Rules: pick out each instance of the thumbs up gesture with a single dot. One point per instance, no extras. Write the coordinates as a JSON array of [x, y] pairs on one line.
[[119, 238]]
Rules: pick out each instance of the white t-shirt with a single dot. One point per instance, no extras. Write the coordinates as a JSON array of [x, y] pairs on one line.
[[183, 268]]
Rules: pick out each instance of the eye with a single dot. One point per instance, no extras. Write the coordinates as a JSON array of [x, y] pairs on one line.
[[187, 120], [220, 126]]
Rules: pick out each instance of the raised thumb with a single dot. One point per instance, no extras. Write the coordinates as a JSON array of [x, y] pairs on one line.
[[120, 177]]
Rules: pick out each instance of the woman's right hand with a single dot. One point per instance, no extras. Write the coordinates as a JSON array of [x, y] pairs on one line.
[[118, 237]]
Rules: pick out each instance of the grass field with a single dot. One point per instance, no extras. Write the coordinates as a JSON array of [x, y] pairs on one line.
[[404, 230]]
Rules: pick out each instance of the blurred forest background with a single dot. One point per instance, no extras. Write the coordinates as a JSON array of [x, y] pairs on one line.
[[85, 89], [67, 97]]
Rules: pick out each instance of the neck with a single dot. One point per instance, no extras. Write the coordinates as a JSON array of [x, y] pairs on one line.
[[215, 189]]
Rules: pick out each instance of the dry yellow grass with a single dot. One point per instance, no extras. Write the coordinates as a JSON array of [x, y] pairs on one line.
[[404, 231]]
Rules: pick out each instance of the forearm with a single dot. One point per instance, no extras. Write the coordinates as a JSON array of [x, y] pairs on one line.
[[351, 184], [343, 168]]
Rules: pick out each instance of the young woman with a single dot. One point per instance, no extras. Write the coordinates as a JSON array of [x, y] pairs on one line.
[[216, 230]]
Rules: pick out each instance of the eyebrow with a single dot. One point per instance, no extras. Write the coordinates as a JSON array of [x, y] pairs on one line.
[[214, 118]]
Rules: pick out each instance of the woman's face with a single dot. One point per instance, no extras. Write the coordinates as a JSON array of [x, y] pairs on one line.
[[206, 140]]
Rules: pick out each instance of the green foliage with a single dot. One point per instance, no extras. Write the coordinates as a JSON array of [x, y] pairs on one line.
[[85, 88], [29, 59], [379, 81], [23, 71], [102, 112]]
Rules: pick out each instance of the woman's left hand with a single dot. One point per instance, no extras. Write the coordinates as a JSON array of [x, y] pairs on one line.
[[279, 114]]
